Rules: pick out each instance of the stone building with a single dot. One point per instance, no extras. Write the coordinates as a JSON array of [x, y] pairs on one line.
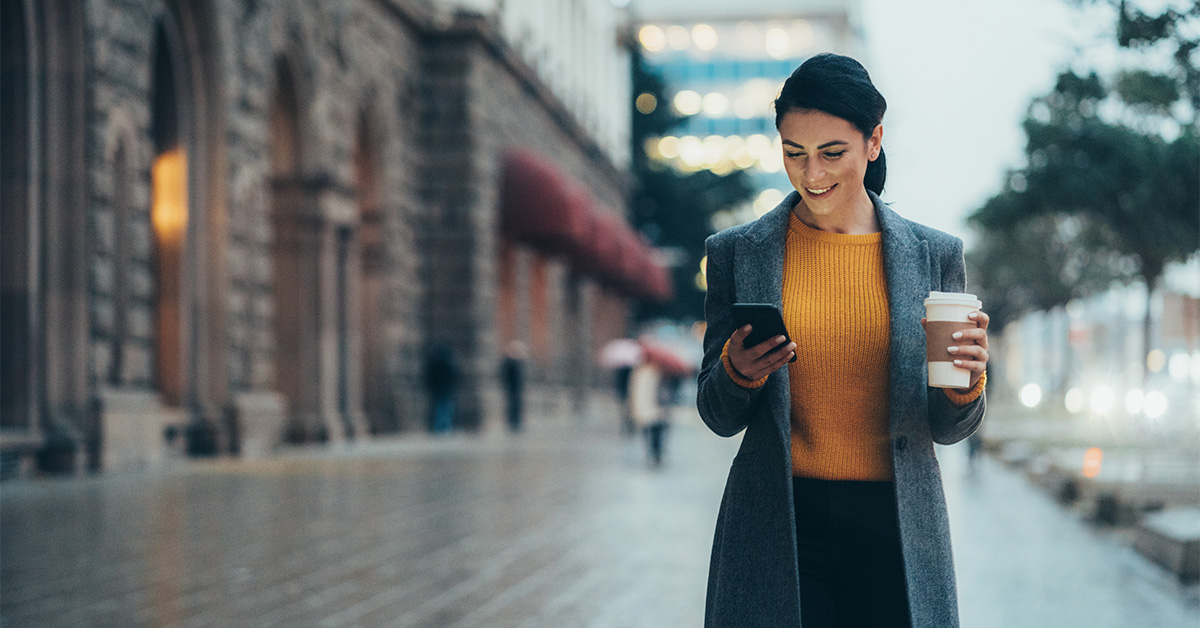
[[229, 224]]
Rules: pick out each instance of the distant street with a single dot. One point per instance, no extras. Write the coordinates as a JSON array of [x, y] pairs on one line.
[[561, 526]]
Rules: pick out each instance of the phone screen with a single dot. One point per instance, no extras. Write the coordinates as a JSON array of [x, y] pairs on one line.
[[765, 320]]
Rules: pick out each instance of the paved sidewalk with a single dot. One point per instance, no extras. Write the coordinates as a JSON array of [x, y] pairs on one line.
[[556, 527]]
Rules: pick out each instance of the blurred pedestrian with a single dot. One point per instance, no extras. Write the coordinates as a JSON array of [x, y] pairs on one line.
[[512, 371], [621, 377], [833, 512], [441, 379], [645, 408]]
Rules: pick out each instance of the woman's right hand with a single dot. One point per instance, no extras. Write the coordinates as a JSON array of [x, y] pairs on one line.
[[760, 360]]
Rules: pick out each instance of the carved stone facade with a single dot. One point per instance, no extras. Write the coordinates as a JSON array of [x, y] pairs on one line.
[[246, 222]]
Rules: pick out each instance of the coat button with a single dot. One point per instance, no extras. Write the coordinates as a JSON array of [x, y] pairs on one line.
[[901, 443]]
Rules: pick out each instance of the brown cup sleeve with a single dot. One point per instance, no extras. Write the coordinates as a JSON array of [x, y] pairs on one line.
[[938, 338]]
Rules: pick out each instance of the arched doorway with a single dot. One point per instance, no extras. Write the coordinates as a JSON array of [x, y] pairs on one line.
[[368, 342], [169, 219], [189, 227], [294, 257]]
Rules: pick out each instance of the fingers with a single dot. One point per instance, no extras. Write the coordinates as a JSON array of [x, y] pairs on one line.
[[767, 346], [976, 368], [780, 356], [981, 318], [770, 361], [923, 325], [974, 353], [760, 360], [977, 335]]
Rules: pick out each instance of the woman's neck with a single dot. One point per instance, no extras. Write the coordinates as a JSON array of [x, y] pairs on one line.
[[857, 218]]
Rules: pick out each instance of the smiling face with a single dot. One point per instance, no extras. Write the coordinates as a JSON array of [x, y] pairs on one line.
[[826, 159]]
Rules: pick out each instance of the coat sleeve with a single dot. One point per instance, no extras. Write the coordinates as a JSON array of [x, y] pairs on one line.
[[724, 405], [948, 423]]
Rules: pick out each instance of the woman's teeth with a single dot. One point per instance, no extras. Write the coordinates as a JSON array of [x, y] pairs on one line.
[[818, 191]]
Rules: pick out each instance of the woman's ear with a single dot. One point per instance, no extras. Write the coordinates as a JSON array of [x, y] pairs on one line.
[[875, 142]]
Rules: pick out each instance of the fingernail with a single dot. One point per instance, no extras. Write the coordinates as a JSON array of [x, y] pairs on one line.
[[957, 335], [973, 315], [958, 363], [952, 349], [780, 338]]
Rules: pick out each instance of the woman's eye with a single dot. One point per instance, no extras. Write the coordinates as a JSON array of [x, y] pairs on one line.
[[835, 155], [792, 154]]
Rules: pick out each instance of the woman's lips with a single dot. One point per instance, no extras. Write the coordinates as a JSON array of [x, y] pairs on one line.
[[820, 192]]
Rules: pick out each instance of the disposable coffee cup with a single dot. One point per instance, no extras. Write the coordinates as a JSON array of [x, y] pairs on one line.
[[946, 313]]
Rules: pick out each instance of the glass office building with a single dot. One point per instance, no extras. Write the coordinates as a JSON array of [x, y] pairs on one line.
[[722, 67]]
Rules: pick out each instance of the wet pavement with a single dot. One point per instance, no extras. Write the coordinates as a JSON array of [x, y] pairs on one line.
[[560, 526]]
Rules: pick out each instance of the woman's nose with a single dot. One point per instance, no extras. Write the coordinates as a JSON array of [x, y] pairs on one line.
[[813, 171]]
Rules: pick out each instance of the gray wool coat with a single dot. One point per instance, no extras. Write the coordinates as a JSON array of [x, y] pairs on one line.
[[753, 579]]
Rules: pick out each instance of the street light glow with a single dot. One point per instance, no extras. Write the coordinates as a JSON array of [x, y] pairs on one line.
[[1134, 401], [1101, 400], [1031, 395], [1177, 366], [1156, 404], [1074, 400]]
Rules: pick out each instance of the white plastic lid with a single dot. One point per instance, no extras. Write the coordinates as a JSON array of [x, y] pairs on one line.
[[953, 298]]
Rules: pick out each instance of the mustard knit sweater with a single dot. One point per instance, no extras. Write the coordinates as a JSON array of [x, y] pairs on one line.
[[835, 307]]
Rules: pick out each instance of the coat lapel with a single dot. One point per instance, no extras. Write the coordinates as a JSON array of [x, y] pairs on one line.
[[906, 265], [759, 279], [760, 256]]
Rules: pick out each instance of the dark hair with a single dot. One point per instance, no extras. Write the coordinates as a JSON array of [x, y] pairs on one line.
[[838, 86]]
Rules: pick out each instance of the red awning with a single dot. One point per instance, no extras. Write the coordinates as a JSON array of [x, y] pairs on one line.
[[642, 275], [551, 212], [541, 206], [597, 252]]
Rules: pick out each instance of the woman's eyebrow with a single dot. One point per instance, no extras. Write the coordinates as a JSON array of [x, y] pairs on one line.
[[825, 145]]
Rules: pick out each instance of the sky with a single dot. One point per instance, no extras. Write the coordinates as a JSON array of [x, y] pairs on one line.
[[958, 77]]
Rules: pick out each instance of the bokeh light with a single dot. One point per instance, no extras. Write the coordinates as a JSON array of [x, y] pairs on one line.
[[1101, 400], [646, 103], [1074, 400], [1134, 400], [1155, 405], [678, 37], [778, 43], [1092, 459], [652, 38], [688, 102], [1031, 395], [1156, 360], [715, 104], [704, 36]]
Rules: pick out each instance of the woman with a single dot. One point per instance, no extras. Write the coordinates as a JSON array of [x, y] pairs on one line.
[[833, 513]]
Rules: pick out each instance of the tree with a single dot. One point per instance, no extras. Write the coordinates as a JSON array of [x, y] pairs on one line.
[[673, 209], [1042, 263], [1102, 154]]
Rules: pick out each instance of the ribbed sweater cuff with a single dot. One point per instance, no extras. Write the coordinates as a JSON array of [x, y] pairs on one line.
[[736, 376], [962, 399]]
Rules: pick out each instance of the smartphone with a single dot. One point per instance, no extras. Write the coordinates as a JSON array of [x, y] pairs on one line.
[[765, 320]]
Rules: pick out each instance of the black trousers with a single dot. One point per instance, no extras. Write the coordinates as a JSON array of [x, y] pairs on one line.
[[848, 551]]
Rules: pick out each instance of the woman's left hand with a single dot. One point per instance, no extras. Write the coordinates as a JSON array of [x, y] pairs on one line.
[[972, 351]]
